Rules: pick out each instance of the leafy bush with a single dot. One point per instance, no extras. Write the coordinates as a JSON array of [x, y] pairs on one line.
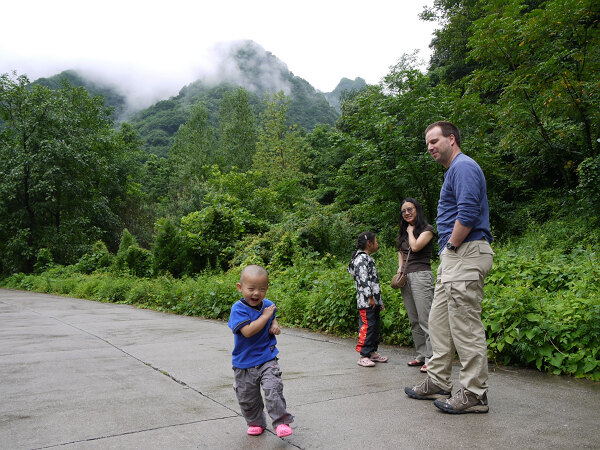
[[210, 235], [541, 305], [253, 250], [169, 251], [543, 301], [43, 260], [131, 258], [98, 258], [589, 180], [139, 261]]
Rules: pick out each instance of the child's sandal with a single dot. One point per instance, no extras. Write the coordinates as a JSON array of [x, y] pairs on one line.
[[365, 362], [255, 431], [378, 358]]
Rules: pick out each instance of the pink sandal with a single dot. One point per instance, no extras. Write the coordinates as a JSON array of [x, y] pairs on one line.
[[365, 362], [255, 431], [283, 430], [375, 357]]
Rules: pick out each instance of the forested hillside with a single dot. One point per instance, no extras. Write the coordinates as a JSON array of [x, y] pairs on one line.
[[343, 90], [243, 64], [233, 180], [110, 93], [246, 65]]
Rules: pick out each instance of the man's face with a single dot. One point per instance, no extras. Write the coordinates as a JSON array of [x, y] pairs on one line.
[[441, 148]]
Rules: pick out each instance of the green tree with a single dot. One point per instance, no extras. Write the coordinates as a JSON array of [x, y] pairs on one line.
[[193, 149], [237, 130], [280, 150], [449, 61], [383, 131], [544, 59], [132, 204], [61, 167], [169, 251]]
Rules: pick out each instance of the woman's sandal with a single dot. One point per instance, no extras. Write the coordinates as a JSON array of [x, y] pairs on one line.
[[375, 357], [416, 363], [365, 362], [424, 368]]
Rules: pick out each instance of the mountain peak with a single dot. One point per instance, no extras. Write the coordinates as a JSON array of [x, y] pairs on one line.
[[245, 63], [344, 86]]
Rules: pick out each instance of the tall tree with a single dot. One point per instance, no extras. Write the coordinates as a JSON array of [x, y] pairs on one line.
[[280, 150], [449, 62], [237, 130], [192, 151], [383, 130], [544, 61], [61, 167]]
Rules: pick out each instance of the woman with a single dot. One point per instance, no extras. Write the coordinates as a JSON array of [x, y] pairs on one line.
[[416, 234]]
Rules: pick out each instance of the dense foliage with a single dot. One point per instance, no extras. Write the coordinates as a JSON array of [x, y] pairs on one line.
[[64, 175], [113, 98], [541, 305], [236, 180], [259, 73]]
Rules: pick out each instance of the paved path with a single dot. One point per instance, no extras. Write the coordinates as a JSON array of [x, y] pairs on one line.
[[80, 374]]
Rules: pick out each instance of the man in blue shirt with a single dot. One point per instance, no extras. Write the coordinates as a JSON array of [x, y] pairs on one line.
[[465, 259]]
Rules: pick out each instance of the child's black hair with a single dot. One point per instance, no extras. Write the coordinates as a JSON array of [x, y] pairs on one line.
[[361, 243]]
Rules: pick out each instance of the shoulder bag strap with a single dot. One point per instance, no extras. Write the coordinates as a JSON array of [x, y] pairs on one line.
[[406, 262]]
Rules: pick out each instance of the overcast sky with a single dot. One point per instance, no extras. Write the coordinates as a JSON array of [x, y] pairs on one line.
[[164, 45]]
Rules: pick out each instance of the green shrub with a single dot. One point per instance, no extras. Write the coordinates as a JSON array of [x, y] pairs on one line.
[[127, 240], [139, 261], [113, 289], [140, 293], [210, 235], [589, 180], [169, 251], [98, 258], [88, 286], [131, 259], [540, 310], [542, 300], [43, 261]]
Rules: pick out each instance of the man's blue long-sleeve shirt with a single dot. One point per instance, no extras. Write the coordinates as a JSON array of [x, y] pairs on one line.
[[463, 197]]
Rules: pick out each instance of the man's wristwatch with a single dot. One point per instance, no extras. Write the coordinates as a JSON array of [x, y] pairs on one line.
[[451, 246]]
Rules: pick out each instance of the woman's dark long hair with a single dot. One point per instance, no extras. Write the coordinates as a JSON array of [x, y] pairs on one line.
[[420, 222]]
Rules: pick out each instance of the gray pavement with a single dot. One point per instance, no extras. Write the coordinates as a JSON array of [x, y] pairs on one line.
[[82, 374]]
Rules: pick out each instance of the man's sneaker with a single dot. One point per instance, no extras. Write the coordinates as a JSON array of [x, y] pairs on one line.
[[464, 401], [426, 390]]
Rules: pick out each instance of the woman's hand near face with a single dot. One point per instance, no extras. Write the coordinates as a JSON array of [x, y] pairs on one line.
[[418, 244]]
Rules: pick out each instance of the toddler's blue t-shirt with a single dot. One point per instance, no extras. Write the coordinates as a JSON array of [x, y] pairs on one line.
[[257, 349]]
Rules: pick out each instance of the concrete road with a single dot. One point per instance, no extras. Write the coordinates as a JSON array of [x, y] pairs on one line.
[[77, 374]]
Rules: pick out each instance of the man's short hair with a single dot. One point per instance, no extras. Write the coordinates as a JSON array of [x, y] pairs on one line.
[[447, 128]]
